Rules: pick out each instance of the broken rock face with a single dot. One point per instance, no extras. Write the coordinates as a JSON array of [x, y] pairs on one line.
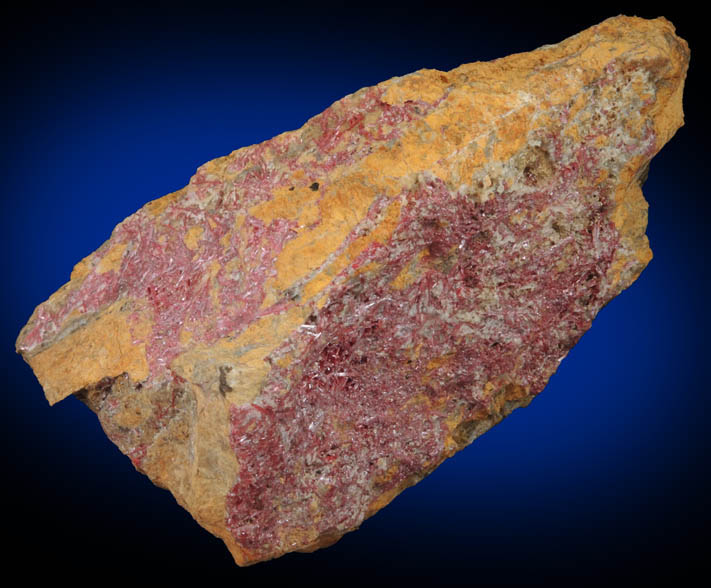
[[316, 322]]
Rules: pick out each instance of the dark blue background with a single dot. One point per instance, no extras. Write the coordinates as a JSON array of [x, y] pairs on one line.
[[603, 477]]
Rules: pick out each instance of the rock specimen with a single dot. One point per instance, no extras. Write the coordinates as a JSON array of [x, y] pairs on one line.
[[316, 322]]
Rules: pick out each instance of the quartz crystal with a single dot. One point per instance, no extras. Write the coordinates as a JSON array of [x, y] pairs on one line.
[[316, 322]]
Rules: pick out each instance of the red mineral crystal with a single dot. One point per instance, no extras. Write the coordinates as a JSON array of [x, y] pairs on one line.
[[317, 322]]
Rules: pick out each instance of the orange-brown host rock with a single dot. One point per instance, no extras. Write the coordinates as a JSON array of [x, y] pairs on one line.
[[316, 322]]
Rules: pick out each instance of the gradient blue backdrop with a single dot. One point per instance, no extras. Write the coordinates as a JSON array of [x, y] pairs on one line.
[[604, 476]]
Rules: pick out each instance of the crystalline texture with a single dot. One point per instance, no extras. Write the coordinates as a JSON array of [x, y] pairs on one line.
[[316, 322]]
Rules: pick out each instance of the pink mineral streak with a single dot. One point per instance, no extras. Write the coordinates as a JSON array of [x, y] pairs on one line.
[[382, 378]]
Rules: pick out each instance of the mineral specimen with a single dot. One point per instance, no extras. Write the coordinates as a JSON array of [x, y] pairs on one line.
[[316, 322]]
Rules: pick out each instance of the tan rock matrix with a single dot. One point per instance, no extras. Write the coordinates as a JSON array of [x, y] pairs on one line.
[[316, 322]]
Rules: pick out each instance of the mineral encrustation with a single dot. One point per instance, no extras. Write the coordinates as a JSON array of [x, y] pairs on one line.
[[316, 322]]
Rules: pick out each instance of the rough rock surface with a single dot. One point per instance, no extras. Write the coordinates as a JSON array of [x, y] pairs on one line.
[[316, 322]]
